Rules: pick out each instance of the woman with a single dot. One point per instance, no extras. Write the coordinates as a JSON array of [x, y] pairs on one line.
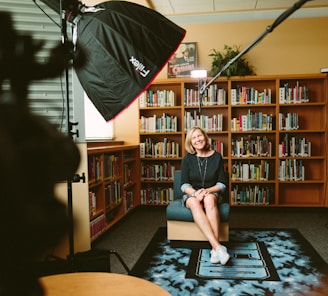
[[202, 181]]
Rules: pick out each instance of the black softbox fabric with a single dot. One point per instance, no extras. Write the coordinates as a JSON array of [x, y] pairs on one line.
[[126, 46]]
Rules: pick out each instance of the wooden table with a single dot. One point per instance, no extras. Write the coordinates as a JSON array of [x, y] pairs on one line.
[[98, 283]]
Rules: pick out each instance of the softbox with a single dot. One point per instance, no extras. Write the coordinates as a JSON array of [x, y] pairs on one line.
[[126, 45]]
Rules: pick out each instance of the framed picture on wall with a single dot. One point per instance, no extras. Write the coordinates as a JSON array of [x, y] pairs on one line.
[[183, 61]]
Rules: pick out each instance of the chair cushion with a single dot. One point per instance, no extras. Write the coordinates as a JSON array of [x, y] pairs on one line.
[[177, 211]]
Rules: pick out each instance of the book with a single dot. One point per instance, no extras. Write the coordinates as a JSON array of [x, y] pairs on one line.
[[233, 96]]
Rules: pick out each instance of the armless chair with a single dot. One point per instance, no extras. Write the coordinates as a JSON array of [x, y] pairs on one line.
[[180, 222]]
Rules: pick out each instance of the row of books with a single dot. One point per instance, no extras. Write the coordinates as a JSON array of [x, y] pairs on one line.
[[252, 195], [97, 226], [251, 146], [252, 121], [157, 172], [156, 196], [212, 96], [168, 149], [92, 204], [294, 146], [245, 95], [217, 145], [128, 177], [164, 149], [291, 170], [242, 171], [165, 123], [128, 200], [294, 94], [288, 121], [113, 194], [94, 168], [157, 98], [111, 166], [208, 123]]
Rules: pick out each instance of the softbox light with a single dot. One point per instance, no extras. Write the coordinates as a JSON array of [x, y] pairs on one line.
[[126, 45]]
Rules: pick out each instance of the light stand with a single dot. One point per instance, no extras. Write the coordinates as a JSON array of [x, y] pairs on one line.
[[69, 125], [268, 29], [76, 261], [69, 182]]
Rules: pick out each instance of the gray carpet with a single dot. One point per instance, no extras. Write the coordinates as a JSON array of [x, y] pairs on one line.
[[132, 234]]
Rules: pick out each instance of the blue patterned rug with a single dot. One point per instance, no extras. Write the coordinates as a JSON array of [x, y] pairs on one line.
[[249, 261], [263, 262]]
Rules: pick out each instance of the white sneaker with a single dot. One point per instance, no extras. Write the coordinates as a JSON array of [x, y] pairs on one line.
[[222, 254], [214, 257]]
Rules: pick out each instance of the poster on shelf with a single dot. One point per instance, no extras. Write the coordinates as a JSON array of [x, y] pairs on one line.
[[183, 61]]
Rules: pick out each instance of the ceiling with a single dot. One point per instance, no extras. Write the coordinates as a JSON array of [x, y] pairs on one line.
[[171, 7], [199, 11]]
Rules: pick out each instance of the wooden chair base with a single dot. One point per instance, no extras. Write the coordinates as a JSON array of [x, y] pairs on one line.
[[189, 231]]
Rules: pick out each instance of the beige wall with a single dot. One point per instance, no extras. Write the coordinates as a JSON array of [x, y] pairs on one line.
[[296, 46], [80, 200]]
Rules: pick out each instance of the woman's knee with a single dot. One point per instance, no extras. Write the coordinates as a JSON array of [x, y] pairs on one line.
[[193, 202], [210, 200]]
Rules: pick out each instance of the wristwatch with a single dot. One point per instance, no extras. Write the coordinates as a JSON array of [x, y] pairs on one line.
[[192, 194]]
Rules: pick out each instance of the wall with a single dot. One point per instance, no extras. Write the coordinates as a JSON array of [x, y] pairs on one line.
[[296, 46], [80, 201]]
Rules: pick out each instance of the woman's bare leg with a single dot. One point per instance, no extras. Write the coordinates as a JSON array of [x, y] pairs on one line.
[[202, 221], [212, 213]]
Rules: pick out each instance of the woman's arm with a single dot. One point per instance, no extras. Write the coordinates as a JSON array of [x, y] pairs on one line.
[[186, 184]]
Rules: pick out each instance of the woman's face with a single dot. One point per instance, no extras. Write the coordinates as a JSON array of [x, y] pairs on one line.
[[198, 139]]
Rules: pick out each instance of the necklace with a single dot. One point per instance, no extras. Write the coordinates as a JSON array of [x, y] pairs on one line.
[[200, 165], [201, 162]]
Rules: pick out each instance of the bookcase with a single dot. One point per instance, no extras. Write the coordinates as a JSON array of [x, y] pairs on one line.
[[114, 184], [271, 131]]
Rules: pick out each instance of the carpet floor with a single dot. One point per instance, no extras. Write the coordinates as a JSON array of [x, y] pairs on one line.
[[263, 262]]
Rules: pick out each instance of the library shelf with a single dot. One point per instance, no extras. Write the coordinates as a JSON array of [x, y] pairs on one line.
[[271, 131], [114, 184]]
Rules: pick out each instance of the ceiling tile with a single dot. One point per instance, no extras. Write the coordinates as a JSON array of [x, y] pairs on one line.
[[274, 4], [164, 7], [315, 3], [234, 5], [266, 8], [192, 6]]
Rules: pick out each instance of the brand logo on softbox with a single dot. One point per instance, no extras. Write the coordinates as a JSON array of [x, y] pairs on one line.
[[140, 67]]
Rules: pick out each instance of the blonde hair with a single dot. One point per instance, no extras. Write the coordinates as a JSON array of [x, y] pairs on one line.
[[188, 146]]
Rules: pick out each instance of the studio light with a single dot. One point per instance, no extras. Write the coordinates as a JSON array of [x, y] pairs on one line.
[[199, 74], [122, 46], [126, 46]]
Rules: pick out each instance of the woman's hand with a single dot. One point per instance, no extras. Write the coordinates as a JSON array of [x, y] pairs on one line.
[[201, 193]]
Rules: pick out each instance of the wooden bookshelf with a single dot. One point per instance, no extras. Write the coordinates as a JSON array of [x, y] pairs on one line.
[[114, 184], [271, 131]]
